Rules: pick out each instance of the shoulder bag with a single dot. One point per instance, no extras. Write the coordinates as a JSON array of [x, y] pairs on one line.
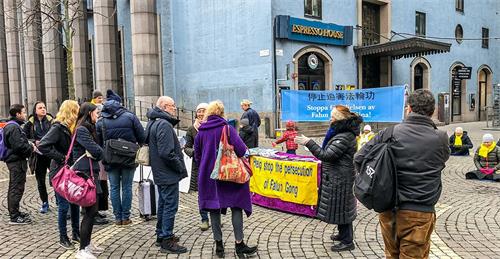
[[118, 152]]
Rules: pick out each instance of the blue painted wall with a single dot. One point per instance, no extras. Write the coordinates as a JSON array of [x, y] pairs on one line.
[[216, 52], [441, 21]]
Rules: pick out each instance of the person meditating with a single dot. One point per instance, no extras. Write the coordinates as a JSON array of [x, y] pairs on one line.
[[487, 161], [460, 143]]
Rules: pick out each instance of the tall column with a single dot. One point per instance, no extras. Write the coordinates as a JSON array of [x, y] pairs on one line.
[[33, 51], [52, 54], [145, 54], [81, 71], [106, 55], [4, 72], [13, 61]]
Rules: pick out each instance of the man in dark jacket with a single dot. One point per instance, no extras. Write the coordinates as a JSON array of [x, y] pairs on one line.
[[118, 123], [460, 143], [420, 151], [253, 118], [35, 129], [18, 150], [247, 133], [167, 163]]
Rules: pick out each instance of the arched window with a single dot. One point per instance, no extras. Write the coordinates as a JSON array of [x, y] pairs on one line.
[[459, 34]]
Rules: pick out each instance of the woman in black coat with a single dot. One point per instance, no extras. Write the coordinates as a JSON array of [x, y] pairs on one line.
[[55, 145], [189, 150], [337, 204], [86, 146], [37, 126]]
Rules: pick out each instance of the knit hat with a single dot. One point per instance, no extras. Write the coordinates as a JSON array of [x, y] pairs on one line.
[[202, 106], [488, 138], [290, 125], [110, 95], [244, 122], [367, 128], [96, 94], [338, 115]]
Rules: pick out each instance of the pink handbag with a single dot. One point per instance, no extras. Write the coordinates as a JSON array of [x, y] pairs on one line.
[[73, 187]]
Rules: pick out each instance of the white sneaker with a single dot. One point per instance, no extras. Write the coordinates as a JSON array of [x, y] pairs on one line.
[[85, 254], [94, 249]]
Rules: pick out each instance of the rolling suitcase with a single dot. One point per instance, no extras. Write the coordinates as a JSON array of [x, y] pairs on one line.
[[148, 196]]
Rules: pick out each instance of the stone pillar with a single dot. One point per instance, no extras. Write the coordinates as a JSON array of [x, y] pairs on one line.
[[81, 73], [105, 42], [145, 54], [33, 51], [4, 72], [52, 54], [13, 61]]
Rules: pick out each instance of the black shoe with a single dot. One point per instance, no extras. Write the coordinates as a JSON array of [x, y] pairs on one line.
[[65, 243], [19, 220], [76, 238], [100, 221], [159, 239], [335, 237], [242, 250], [343, 247], [101, 215], [25, 215], [219, 249], [169, 246]]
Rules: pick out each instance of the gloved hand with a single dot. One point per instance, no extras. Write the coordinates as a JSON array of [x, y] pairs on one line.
[[274, 144], [302, 140]]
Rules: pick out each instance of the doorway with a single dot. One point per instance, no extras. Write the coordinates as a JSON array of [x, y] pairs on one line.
[[418, 77], [311, 72], [313, 69], [484, 91]]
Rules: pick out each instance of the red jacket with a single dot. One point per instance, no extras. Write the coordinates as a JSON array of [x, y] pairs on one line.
[[289, 137]]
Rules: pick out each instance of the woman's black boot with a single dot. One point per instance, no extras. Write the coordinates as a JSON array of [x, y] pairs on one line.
[[219, 249], [243, 250]]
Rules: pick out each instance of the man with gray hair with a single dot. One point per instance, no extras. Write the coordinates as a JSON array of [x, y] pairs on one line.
[[460, 143], [167, 163], [420, 153]]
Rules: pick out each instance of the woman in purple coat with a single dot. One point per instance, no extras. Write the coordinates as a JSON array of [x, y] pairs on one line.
[[216, 196]]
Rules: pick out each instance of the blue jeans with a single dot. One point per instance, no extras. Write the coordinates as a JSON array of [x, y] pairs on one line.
[[121, 199], [62, 212], [204, 215], [291, 151], [168, 203]]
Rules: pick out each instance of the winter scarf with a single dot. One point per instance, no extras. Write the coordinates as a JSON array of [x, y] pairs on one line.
[[484, 150], [458, 140]]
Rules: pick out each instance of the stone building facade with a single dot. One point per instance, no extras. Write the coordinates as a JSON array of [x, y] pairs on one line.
[[197, 51]]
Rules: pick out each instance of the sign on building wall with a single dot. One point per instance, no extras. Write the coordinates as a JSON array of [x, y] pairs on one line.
[[312, 31], [385, 104]]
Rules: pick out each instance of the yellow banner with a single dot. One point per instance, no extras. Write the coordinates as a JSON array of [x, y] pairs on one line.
[[292, 181]]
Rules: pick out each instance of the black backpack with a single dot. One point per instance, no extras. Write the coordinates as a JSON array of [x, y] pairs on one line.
[[376, 182]]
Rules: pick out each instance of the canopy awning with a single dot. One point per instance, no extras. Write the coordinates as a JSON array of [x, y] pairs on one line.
[[406, 48]]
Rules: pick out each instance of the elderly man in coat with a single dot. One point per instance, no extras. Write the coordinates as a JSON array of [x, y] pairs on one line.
[[460, 143], [167, 163]]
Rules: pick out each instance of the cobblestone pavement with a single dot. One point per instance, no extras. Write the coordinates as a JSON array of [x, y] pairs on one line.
[[468, 226]]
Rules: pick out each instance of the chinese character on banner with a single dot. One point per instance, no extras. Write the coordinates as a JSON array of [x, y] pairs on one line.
[[350, 96], [322, 97], [370, 95], [340, 96], [360, 96], [312, 97], [331, 97]]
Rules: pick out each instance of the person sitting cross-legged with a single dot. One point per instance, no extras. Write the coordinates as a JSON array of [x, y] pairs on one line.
[[487, 161], [460, 143]]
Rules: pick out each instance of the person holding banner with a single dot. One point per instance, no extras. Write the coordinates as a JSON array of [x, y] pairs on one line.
[[337, 204], [217, 196]]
